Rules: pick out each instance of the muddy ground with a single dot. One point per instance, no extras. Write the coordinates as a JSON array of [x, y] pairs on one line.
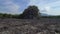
[[30, 26]]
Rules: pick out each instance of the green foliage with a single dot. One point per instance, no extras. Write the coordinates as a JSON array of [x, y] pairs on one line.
[[50, 16], [21, 16], [31, 12], [6, 15]]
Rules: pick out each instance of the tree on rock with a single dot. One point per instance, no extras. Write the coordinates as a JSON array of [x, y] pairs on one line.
[[31, 12]]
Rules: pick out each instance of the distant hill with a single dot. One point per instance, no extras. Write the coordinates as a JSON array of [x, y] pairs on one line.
[[42, 14]]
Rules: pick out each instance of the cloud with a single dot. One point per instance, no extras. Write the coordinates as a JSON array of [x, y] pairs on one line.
[[17, 6], [32, 2], [52, 8], [47, 8], [8, 6]]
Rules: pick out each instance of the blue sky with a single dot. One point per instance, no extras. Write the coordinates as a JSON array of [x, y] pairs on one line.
[[51, 7]]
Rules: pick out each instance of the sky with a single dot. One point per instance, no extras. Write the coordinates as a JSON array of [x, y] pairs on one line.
[[50, 7]]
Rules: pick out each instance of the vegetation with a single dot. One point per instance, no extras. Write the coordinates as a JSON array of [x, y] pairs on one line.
[[32, 12], [7, 15], [50, 16]]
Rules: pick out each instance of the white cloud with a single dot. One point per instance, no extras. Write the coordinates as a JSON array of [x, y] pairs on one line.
[[47, 8], [10, 6], [45, 5], [13, 8], [34, 2]]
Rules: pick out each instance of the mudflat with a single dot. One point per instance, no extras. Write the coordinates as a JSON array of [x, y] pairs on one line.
[[30, 26]]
